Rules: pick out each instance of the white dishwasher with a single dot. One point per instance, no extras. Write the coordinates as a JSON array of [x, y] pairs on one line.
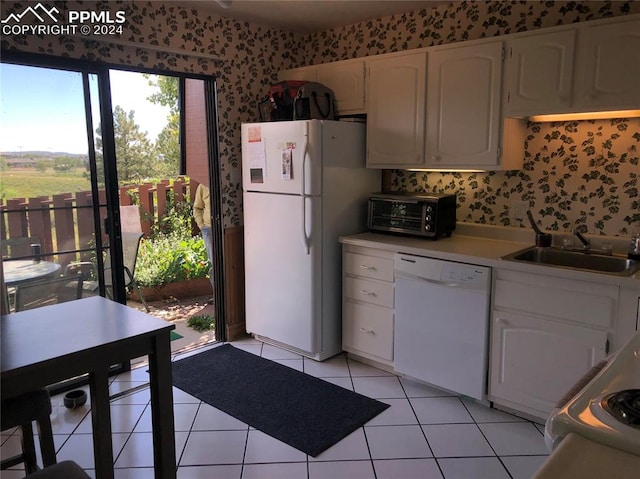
[[442, 323]]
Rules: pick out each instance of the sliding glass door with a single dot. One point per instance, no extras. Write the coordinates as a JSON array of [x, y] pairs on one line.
[[84, 168], [53, 208]]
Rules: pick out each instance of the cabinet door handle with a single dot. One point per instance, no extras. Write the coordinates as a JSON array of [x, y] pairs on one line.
[[366, 266], [368, 331], [367, 292]]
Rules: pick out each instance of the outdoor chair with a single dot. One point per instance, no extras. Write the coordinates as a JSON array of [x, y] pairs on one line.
[[18, 248], [21, 411], [130, 246], [35, 294]]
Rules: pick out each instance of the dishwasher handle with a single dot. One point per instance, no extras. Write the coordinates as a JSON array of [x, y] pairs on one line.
[[447, 284]]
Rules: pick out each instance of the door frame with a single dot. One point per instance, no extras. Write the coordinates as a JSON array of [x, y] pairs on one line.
[[112, 224]]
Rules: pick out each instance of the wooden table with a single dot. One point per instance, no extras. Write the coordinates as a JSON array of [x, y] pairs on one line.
[[50, 344], [21, 271]]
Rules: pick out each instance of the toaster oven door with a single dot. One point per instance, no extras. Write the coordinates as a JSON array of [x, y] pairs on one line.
[[397, 215]]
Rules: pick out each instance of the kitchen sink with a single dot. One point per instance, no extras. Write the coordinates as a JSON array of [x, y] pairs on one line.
[[616, 265]]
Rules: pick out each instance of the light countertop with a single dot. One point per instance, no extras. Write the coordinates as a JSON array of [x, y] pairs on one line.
[[454, 248], [484, 247]]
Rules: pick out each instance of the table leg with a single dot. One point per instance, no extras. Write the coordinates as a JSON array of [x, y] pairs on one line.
[[101, 422], [164, 445]]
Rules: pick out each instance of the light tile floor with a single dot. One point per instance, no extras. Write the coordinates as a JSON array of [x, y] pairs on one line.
[[426, 433]]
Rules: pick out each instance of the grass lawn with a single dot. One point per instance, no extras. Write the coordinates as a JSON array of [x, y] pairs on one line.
[[29, 183]]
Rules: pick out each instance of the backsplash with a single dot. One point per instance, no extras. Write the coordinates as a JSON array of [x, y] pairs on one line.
[[251, 55], [581, 174]]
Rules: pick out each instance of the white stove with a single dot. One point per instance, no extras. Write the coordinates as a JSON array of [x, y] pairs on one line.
[[607, 409]]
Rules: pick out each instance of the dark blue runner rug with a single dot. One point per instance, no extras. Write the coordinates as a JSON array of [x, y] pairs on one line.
[[298, 409]]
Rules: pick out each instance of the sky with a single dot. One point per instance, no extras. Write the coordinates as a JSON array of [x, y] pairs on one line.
[[43, 109]]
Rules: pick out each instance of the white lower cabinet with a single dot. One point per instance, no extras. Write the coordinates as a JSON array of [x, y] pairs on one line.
[[367, 306], [546, 333], [535, 361], [367, 330]]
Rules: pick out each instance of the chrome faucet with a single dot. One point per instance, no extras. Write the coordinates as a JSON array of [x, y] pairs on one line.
[[586, 244]]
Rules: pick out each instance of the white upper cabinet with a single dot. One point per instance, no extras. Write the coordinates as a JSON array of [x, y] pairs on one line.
[[464, 120], [346, 80], [462, 106], [299, 74], [539, 72], [396, 101], [581, 68], [608, 66]]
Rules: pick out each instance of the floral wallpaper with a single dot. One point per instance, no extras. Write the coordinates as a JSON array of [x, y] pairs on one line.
[[583, 173], [579, 174]]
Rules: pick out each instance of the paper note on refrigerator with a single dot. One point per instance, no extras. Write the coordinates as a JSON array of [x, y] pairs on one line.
[[257, 161], [287, 160]]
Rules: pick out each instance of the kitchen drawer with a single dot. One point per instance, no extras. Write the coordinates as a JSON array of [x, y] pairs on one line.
[[580, 301], [369, 291], [368, 266], [369, 329]]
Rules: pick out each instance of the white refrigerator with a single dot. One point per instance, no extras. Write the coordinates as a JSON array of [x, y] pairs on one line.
[[304, 185]]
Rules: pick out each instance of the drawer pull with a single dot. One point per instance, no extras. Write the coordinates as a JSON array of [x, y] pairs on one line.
[[367, 292], [369, 267], [368, 331]]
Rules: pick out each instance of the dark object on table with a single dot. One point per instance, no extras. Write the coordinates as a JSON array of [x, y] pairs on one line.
[[74, 399]]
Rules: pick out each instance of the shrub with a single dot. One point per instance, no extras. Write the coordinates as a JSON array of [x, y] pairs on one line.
[[170, 258], [201, 323], [171, 253]]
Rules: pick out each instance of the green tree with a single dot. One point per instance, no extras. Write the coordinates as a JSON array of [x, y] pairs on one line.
[[63, 164], [168, 141], [42, 165], [135, 154]]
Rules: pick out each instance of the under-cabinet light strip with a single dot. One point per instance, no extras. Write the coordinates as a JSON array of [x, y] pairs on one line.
[[592, 115], [143, 46]]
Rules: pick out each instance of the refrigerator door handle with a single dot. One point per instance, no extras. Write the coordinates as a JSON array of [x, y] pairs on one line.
[[305, 146], [306, 237]]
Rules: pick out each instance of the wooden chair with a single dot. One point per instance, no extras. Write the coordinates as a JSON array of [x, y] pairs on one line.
[[21, 411]]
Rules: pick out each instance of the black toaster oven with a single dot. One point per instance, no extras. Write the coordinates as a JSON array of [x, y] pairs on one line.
[[429, 215]]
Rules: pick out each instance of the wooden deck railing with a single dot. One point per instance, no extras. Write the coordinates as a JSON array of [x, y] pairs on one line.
[[63, 224]]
